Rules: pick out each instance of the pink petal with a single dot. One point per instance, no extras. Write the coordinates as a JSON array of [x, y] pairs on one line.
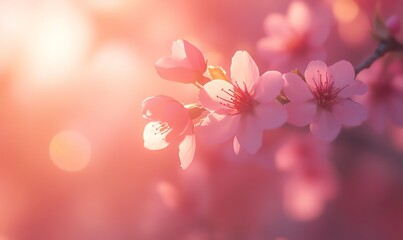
[[212, 94], [349, 113], [270, 115], [296, 89], [166, 109], [244, 70], [182, 49], [324, 126], [315, 71], [218, 128], [153, 138], [171, 70], [355, 88], [300, 113], [187, 150], [395, 109], [342, 73], [268, 86], [249, 134]]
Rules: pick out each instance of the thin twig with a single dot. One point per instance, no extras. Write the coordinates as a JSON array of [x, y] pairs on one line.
[[388, 45]]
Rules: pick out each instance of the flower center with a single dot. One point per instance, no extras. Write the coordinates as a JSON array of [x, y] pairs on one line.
[[161, 128], [238, 99], [325, 92]]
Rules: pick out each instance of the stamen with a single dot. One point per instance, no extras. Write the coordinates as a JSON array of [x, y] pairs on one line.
[[324, 91], [239, 100], [161, 128]]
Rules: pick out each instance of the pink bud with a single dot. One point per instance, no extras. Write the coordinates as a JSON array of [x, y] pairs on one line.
[[186, 65], [393, 25]]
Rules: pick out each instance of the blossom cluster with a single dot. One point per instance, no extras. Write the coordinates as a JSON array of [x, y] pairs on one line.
[[238, 108]]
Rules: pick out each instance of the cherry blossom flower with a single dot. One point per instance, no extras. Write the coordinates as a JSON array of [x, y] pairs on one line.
[[243, 108], [169, 123], [324, 100], [384, 99], [294, 39], [186, 65]]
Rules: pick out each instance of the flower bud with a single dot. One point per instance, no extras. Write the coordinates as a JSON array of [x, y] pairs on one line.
[[393, 25]]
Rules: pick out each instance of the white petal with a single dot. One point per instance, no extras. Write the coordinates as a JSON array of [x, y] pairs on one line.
[[270, 115], [217, 128], [244, 70], [214, 94], [324, 126], [187, 150], [268, 86], [349, 113], [249, 134], [153, 138]]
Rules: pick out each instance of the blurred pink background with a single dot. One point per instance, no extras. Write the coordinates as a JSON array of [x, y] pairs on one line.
[[73, 74]]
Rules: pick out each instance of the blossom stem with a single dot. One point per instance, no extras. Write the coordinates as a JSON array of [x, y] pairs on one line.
[[385, 46]]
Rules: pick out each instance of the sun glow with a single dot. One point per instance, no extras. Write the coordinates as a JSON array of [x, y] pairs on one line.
[[345, 10], [56, 45], [70, 151]]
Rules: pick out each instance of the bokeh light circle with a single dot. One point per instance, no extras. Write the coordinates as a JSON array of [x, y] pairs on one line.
[[70, 151]]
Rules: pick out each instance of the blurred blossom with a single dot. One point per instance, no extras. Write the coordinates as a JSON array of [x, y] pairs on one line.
[[384, 98], [393, 24], [243, 108], [322, 98], [296, 38], [310, 180], [169, 194]]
